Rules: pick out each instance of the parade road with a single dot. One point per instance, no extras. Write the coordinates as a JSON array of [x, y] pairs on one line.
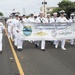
[[33, 61]]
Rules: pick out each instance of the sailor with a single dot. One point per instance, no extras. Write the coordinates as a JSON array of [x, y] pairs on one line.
[[41, 19], [9, 25], [16, 24], [61, 19], [72, 15], [31, 18], [55, 16], [19, 37], [24, 18], [71, 20], [2, 27], [49, 19]]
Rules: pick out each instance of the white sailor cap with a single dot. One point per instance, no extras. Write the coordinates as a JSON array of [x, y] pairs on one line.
[[62, 11], [72, 14], [55, 13]]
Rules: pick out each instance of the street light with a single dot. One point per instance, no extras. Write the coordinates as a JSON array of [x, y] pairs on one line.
[[44, 3]]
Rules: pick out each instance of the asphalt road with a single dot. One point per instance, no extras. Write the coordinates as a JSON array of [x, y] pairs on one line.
[[36, 62]]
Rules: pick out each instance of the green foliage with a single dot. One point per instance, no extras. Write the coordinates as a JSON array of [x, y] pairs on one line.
[[66, 5], [57, 9], [1, 14]]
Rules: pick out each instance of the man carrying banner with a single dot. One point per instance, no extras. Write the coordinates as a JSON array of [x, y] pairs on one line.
[[16, 24], [41, 19], [49, 19], [61, 19], [55, 16], [55, 19]]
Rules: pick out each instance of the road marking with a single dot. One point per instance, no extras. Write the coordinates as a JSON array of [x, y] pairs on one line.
[[15, 57], [12, 40]]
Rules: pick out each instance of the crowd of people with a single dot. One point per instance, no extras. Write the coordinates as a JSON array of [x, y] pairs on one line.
[[15, 24]]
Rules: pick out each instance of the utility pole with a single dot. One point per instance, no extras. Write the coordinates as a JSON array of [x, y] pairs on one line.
[[24, 11], [44, 3]]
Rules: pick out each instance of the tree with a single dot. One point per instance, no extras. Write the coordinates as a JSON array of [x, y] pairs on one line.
[[1, 14], [57, 9], [67, 6]]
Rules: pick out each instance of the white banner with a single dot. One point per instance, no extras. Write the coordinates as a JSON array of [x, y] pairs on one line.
[[51, 31]]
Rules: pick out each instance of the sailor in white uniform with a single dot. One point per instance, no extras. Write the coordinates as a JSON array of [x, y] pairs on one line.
[[31, 18], [61, 19], [41, 19], [24, 18], [9, 26], [2, 27], [16, 24], [72, 20], [55, 18], [49, 19], [19, 37]]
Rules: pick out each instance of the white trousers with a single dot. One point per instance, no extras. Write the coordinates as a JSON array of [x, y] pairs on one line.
[[1, 35], [72, 41], [62, 43], [43, 44], [10, 32], [17, 41]]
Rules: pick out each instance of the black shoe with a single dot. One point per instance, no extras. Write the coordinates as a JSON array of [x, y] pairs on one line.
[[72, 45], [0, 52], [19, 50], [36, 45], [42, 49]]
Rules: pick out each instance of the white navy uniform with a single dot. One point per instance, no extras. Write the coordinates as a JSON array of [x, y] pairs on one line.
[[16, 24], [9, 25], [41, 20], [72, 40], [55, 19], [25, 19], [2, 27], [31, 19], [49, 20], [20, 41], [61, 19]]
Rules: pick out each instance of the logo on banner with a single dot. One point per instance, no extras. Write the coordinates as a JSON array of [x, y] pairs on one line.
[[27, 30], [41, 33], [53, 33]]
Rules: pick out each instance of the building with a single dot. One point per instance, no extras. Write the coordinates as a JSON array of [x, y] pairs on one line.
[[46, 9]]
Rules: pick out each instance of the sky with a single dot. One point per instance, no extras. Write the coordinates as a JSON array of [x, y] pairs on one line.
[[25, 6]]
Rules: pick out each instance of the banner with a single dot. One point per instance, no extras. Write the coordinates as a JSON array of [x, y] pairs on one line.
[[51, 31]]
